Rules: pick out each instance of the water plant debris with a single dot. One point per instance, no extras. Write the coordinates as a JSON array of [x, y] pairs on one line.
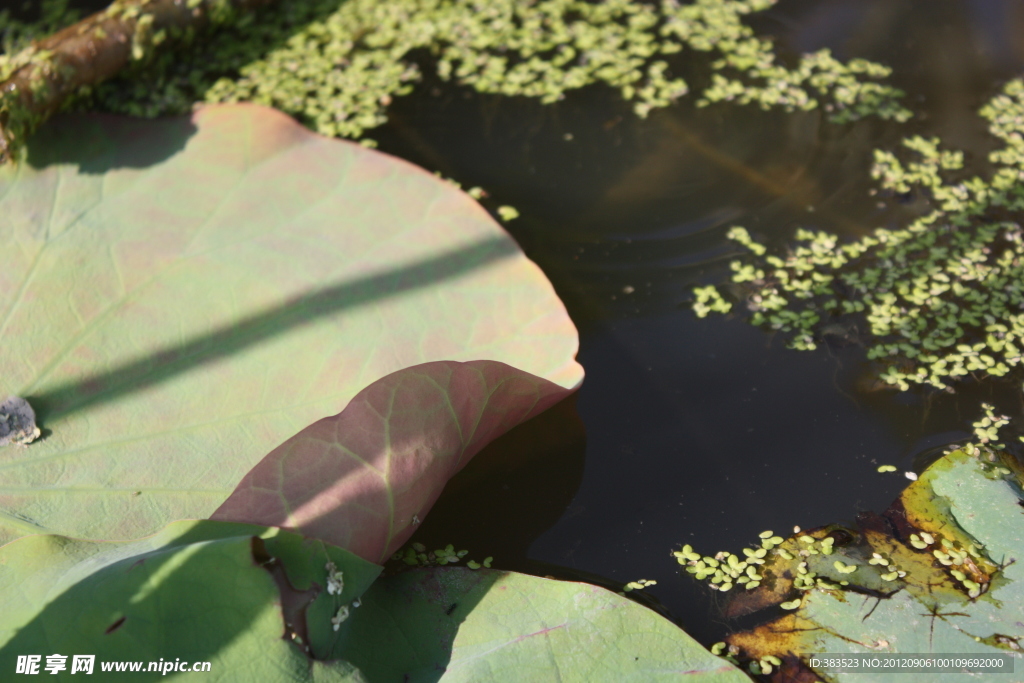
[[17, 422]]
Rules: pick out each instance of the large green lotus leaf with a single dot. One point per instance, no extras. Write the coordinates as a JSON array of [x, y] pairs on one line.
[[179, 296], [364, 478], [197, 591], [963, 589], [260, 604], [454, 624]]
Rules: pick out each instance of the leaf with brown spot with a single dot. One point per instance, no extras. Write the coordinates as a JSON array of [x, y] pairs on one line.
[[960, 498]]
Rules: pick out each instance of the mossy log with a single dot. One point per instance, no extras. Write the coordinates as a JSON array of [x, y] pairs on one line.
[[37, 81]]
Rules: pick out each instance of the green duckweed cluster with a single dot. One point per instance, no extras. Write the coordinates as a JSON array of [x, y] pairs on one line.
[[638, 585], [765, 665], [986, 440], [919, 554], [813, 561], [799, 562], [337, 65], [961, 561], [988, 461], [986, 434], [943, 298], [799, 559], [724, 570], [416, 555]]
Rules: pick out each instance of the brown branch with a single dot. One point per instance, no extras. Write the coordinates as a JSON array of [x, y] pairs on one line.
[[38, 80]]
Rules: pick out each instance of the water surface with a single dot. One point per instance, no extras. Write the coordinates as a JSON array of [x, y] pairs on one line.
[[704, 431]]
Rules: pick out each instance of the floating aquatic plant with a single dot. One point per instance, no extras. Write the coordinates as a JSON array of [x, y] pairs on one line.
[[337, 65], [934, 573], [943, 298], [944, 544], [986, 441], [986, 429], [788, 567], [416, 555]]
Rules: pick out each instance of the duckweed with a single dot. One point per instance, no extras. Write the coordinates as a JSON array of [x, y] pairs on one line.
[[416, 555], [765, 665], [964, 564], [942, 298], [986, 430], [921, 541], [945, 566], [791, 568], [724, 570], [336, 66], [708, 300], [726, 652], [844, 568], [507, 213]]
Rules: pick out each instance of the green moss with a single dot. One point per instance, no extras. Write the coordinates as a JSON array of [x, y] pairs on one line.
[[15, 34], [19, 122], [142, 38], [943, 298]]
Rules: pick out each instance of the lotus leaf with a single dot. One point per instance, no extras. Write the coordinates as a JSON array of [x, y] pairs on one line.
[[938, 573], [454, 624], [224, 593], [179, 296], [198, 591], [363, 479]]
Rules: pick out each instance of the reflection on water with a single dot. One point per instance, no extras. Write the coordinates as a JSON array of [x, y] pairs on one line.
[[709, 431]]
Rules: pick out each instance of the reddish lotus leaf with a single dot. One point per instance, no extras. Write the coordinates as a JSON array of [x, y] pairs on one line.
[[179, 296], [362, 479]]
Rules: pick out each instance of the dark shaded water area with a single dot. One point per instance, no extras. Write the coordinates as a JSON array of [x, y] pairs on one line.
[[704, 431]]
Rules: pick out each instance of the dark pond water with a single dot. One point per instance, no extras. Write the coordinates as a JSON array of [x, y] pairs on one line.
[[702, 431]]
